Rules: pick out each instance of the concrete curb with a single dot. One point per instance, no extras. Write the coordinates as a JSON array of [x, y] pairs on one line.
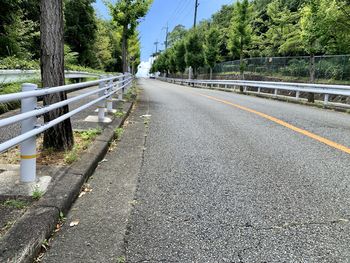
[[24, 240]]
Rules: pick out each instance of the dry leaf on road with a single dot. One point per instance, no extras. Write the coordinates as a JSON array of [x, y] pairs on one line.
[[74, 223]]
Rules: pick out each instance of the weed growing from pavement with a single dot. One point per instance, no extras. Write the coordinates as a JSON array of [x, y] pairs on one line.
[[37, 193], [120, 114], [131, 94], [17, 204], [121, 259], [118, 132]]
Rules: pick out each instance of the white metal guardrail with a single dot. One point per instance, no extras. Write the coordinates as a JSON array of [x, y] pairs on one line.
[[324, 89], [30, 112], [15, 75]]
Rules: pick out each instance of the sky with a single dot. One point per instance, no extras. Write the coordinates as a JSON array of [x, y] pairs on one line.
[[163, 12]]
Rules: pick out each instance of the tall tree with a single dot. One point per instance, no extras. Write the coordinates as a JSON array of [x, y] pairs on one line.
[[134, 51], [241, 32], [59, 137], [195, 56], [212, 49], [81, 29], [310, 22], [180, 53], [127, 14], [178, 33]]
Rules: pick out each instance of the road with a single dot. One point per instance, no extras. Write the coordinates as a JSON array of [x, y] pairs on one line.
[[233, 178]]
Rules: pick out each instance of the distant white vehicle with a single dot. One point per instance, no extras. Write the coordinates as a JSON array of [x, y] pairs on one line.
[[152, 76]]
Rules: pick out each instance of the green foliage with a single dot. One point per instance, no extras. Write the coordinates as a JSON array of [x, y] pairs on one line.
[[14, 203], [178, 33], [241, 30], [37, 193], [195, 56], [118, 132], [13, 62], [81, 29], [128, 12], [180, 53], [212, 47], [90, 134]]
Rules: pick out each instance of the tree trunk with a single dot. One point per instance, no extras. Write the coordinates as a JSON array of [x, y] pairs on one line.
[[241, 70], [311, 96], [59, 137], [211, 74], [125, 49]]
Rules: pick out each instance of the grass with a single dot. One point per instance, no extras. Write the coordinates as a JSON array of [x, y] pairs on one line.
[[121, 259], [49, 156], [83, 140], [131, 94], [120, 113], [17, 204], [118, 133], [37, 193]]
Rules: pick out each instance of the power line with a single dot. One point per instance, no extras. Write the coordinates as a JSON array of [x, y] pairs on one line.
[[177, 10]]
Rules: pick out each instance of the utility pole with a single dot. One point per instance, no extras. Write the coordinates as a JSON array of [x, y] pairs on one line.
[[156, 43], [166, 36], [195, 13]]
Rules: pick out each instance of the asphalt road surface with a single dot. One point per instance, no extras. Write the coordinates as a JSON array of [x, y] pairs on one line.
[[220, 183], [223, 178]]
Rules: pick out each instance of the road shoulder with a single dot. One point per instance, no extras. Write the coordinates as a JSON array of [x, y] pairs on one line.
[[103, 213]]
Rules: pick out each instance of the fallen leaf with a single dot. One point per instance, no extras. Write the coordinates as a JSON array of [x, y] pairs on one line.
[[74, 223]]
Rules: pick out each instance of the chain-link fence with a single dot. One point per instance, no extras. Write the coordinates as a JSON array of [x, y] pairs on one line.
[[328, 68]]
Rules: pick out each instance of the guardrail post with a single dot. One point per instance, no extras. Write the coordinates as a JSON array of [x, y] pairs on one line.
[[297, 95], [259, 89], [101, 104], [28, 147], [120, 92], [326, 99], [109, 99], [276, 92]]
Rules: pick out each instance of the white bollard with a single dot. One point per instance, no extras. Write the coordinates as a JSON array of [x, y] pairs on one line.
[[28, 147], [101, 104], [276, 92], [259, 90], [326, 99], [109, 99], [297, 95]]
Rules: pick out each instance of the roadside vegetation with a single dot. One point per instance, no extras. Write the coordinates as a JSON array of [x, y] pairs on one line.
[[263, 28]]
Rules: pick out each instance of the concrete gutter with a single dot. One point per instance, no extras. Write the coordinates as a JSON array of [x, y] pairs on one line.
[[23, 241]]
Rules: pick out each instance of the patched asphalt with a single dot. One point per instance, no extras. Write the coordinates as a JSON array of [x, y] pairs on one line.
[[219, 184]]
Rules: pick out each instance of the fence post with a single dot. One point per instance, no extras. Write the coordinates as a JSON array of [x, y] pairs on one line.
[[28, 147], [297, 95], [326, 99], [109, 99], [101, 105]]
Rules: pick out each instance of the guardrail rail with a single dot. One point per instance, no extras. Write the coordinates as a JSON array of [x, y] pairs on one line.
[[107, 87], [324, 89]]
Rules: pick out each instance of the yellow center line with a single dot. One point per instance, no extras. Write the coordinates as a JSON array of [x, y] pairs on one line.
[[285, 124]]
